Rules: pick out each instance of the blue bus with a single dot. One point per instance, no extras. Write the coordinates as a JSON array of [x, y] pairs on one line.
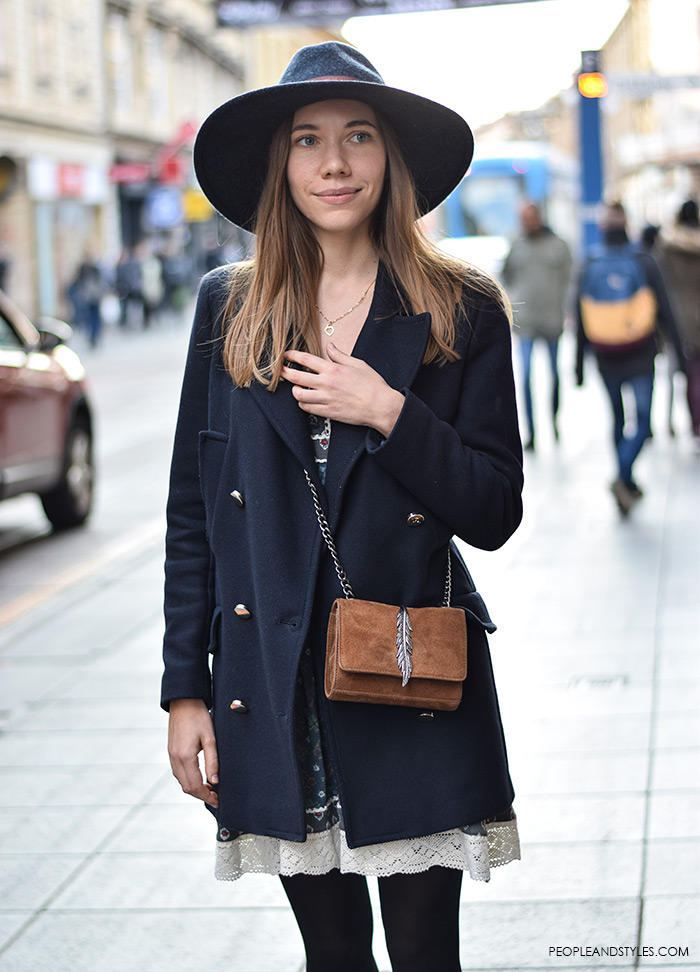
[[480, 219]]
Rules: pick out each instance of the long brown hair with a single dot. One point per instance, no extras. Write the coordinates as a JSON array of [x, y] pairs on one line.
[[271, 305]]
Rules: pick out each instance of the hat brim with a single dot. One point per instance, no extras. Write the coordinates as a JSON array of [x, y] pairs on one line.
[[231, 149]]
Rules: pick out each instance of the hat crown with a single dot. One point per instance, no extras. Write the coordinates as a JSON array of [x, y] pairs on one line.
[[323, 62]]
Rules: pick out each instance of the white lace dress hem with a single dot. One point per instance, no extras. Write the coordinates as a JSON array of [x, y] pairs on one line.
[[475, 854]]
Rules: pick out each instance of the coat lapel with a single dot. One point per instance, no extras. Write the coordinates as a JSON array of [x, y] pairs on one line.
[[392, 344], [282, 411]]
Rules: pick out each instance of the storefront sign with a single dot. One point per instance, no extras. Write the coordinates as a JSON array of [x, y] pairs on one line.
[[164, 208], [249, 13], [197, 207], [125, 172]]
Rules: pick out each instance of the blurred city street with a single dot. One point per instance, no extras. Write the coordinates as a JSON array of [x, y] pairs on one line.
[[106, 866]]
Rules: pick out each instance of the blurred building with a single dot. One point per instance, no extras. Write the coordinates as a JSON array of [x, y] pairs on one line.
[[52, 136], [651, 117], [100, 101]]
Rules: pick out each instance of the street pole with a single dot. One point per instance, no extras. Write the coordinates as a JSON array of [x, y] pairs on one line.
[[592, 87]]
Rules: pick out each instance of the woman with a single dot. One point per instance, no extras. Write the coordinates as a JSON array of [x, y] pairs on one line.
[[348, 348]]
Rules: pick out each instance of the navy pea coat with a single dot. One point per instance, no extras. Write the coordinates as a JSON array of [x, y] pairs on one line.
[[454, 457]]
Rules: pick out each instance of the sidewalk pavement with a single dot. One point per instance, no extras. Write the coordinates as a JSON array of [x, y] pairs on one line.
[[105, 866]]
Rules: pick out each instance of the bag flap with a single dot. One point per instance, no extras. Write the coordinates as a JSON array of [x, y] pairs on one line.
[[366, 634]]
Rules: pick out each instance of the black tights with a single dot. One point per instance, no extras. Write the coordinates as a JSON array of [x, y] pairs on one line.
[[420, 914]]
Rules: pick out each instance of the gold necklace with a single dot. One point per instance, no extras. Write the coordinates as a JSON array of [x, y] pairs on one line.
[[329, 329]]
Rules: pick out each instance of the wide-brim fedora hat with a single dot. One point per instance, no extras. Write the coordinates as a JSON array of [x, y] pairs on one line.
[[232, 146]]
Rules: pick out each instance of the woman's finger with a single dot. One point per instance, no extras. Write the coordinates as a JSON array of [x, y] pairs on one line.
[[305, 378], [211, 760], [306, 360]]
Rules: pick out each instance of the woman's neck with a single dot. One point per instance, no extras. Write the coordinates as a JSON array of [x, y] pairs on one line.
[[347, 259]]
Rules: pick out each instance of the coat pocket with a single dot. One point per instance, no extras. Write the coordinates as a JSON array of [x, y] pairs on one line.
[[212, 451], [473, 606], [215, 631]]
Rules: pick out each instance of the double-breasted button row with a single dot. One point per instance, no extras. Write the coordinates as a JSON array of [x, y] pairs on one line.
[[242, 610]]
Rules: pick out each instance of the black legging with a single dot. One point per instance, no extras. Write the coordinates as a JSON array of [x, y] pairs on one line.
[[420, 914]]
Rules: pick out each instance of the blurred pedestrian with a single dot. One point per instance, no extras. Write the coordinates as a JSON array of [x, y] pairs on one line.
[[536, 275], [352, 356], [128, 286], [647, 241], [86, 292], [679, 253], [649, 236], [152, 289], [4, 267], [176, 277], [622, 300]]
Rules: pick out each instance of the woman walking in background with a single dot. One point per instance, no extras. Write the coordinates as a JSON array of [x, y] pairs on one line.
[[351, 356], [679, 251]]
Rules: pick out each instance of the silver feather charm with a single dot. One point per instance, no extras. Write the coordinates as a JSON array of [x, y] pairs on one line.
[[404, 645]]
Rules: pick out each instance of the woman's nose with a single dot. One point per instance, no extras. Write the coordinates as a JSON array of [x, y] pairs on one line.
[[335, 161]]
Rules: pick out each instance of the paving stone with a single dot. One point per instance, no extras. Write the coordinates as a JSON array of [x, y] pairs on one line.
[[82, 748], [95, 785], [558, 871], [11, 922], [50, 830], [671, 922], [118, 881], [674, 814], [245, 939], [676, 769], [28, 880], [672, 867], [90, 714], [570, 817]]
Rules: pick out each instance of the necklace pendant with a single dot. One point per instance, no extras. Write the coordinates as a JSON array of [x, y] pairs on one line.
[[329, 329]]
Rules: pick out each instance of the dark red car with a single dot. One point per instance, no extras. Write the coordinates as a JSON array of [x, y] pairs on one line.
[[45, 418]]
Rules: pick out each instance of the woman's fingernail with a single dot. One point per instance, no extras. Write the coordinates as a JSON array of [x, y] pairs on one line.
[[215, 779]]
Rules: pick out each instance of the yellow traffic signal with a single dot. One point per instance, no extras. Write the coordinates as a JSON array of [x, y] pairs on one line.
[[593, 85]]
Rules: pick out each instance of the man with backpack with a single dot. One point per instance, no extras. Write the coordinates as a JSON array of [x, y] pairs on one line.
[[622, 299]]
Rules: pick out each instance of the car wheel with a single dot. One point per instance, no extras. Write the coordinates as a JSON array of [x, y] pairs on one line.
[[69, 504]]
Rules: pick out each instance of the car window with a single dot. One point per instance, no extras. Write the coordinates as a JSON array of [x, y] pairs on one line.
[[8, 336]]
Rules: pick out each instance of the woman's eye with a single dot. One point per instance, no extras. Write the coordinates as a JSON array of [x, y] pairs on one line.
[[307, 140], [361, 136]]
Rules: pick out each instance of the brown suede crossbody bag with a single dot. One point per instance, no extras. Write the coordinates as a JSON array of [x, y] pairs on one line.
[[392, 654]]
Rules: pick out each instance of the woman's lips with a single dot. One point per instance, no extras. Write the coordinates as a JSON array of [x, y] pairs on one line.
[[340, 195]]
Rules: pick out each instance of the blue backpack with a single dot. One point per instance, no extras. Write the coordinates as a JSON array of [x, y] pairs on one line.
[[618, 308]]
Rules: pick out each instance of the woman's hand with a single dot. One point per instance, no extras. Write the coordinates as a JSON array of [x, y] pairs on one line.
[[190, 731], [344, 388]]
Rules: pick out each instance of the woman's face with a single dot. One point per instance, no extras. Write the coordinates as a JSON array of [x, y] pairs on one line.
[[336, 166]]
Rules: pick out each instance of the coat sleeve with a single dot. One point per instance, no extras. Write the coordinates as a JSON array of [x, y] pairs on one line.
[[468, 471], [188, 578], [666, 318]]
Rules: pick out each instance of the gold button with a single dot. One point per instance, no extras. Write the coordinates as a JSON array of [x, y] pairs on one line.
[[238, 706], [238, 497], [242, 611], [415, 519]]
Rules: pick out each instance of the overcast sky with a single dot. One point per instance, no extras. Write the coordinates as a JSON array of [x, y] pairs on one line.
[[486, 61]]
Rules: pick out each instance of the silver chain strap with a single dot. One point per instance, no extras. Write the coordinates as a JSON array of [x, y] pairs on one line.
[[328, 537], [330, 543]]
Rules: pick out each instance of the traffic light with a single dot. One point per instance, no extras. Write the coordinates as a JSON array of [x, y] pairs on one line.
[[592, 84]]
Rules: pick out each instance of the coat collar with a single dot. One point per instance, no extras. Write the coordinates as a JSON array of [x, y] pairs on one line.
[[391, 343]]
